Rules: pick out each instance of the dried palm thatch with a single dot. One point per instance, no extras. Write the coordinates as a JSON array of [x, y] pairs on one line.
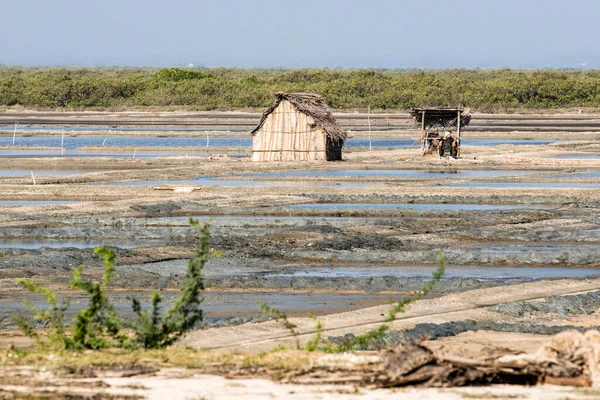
[[440, 118], [313, 105]]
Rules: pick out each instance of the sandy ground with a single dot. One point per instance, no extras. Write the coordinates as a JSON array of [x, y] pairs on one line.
[[139, 208], [170, 384]]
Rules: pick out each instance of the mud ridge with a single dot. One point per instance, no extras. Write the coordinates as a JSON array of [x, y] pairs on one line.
[[586, 303], [448, 329]]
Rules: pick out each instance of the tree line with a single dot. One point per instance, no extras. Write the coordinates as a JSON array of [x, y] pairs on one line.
[[224, 88]]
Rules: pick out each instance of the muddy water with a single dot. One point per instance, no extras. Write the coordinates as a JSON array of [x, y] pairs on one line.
[[70, 142], [32, 243], [452, 272], [220, 305], [334, 258], [583, 157], [81, 154], [244, 183], [595, 174]]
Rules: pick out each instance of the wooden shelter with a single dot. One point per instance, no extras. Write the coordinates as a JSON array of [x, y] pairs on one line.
[[298, 127], [437, 125]]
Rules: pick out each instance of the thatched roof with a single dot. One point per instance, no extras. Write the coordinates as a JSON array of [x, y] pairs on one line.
[[311, 104], [440, 117]]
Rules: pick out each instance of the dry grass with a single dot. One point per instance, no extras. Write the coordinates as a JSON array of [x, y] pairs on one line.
[[205, 361]]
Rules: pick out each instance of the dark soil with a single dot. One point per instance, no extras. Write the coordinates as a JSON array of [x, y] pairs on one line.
[[586, 303]]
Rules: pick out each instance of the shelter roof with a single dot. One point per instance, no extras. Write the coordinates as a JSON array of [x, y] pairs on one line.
[[440, 117], [311, 104]]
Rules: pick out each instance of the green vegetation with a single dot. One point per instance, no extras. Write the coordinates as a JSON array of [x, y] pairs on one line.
[[99, 326], [281, 317], [222, 88], [362, 341]]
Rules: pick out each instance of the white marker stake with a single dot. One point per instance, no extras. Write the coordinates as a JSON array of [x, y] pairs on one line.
[[62, 139], [103, 143], [134, 154], [369, 122], [33, 177], [15, 132]]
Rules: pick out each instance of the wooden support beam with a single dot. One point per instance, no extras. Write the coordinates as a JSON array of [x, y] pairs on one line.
[[423, 134], [458, 134]]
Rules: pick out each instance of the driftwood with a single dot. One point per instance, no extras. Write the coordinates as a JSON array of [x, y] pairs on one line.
[[569, 358]]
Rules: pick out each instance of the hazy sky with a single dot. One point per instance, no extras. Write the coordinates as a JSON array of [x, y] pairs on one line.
[[306, 33]]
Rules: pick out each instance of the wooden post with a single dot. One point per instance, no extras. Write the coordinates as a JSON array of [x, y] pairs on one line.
[[369, 122], [423, 133], [458, 134]]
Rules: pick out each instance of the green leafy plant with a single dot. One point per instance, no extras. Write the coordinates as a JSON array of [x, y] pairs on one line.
[[99, 325], [313, 343], [362, 341], [280, 317], [53, 317], [154, 330]]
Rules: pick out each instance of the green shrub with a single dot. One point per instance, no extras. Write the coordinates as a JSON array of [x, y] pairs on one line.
[[98, 323], [155, 330], [99, 326]]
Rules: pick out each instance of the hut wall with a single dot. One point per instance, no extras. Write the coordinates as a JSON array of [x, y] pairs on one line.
[[289, 135]]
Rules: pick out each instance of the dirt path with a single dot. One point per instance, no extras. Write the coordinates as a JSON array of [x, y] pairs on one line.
[[466, 305]]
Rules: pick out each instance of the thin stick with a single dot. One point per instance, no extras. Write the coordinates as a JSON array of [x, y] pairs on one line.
[[206, 140], [15, 132], [134, 151], [33, 177], [62, 139], [369, 122], [103, 143]]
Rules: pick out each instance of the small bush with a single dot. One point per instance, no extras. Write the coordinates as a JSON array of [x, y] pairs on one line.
[[99, 326], [155, 330]]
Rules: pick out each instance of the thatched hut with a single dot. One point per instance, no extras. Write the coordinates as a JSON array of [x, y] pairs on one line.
[[437, 125], [298, 127]]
